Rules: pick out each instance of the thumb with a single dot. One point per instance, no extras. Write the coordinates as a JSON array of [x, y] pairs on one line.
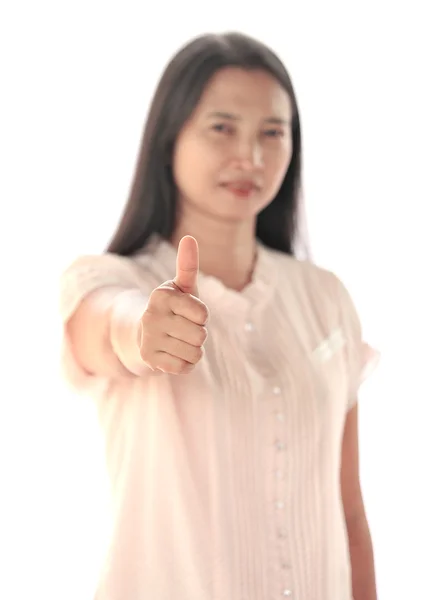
[[187, 266]]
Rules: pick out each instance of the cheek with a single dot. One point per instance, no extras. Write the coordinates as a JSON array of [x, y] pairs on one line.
[[194, 154], [276, 163], [191, 167]]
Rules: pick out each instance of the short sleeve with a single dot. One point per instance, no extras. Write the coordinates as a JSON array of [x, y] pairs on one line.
[[362, 359], [82, 277]]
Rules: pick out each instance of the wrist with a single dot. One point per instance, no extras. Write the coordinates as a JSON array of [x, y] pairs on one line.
[[127, 311]]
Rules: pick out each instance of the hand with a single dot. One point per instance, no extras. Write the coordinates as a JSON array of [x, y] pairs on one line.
[[172, 330]]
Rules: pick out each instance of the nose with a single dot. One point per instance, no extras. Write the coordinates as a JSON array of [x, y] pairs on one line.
[[249, 155]]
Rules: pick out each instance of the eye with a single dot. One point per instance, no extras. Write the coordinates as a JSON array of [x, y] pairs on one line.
[[273, 133], [221, 128]]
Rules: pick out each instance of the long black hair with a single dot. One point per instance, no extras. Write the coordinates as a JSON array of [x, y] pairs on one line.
[[152, 204]]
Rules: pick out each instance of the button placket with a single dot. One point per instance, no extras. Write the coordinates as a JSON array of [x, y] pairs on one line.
[[282, 587], [280, 483]]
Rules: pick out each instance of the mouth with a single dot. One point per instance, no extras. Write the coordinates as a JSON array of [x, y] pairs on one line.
[[241, 188]]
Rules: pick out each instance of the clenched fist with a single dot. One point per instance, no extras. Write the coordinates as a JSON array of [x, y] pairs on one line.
[[172, 330]]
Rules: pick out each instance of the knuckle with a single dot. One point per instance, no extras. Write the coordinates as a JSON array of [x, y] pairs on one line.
[[173, 365], [195, 355], [147, 319], [198, 354], [202, 335], [198, 311], [200, 314], [148, 334], [165, 365], [160, 296], [145, 348], [148, 359], [204, 313], [183, 367], [155, 296]]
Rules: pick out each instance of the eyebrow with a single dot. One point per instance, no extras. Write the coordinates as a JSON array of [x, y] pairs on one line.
[[232, 117]]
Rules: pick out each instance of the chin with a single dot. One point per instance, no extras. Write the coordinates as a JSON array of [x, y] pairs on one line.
[[238, 216], [240, 208]]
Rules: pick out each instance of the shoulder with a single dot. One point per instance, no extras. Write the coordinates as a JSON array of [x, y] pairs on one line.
[[110, 265], [317, 292], [88, 273], [306, 275], [112, 268]]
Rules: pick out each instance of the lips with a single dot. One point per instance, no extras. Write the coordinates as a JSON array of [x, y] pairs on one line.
[[241, 186]]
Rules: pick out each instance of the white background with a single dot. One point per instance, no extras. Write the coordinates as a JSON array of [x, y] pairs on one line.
[[77, 79]]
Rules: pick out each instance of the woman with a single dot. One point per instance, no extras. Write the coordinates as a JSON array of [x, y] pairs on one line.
[[225, 372]]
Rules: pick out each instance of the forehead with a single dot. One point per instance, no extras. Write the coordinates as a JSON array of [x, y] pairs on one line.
[[239, 91]]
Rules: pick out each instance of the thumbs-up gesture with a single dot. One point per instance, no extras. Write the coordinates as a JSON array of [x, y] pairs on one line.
[[172, 330]]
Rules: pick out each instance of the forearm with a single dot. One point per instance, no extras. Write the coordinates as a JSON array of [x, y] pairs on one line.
[[126, 312], [103, 332], [362, 560]]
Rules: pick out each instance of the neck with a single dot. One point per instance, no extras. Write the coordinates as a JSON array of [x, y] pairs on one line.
[[227, 250]]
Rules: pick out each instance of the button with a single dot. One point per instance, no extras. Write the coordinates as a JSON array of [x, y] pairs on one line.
[[276, 390], [280, 446], [280, 505], [280, 416], [249, 327], [287, 593], [282, 534]]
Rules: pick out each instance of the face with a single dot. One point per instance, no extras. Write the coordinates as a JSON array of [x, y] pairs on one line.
[[232, 155]]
